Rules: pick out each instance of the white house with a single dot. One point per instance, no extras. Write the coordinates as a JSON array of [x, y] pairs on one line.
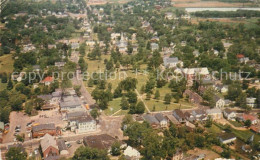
[[251, 101], [220, 103], [154, 46], [172, 62], [86, 124], [227, 138], [162, 120], [229, 114], [131, 153], [214, 113]]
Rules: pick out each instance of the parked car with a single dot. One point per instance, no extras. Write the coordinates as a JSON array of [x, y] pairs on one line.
[[79, 141], [68, 145]]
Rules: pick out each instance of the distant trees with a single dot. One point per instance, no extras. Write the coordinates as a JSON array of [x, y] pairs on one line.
[[90, 153], [16, 153]]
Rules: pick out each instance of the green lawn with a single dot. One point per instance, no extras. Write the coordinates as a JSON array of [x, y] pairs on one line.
[[113, 106], [236, 124], [6, 63], [2, 85], [214, 129]]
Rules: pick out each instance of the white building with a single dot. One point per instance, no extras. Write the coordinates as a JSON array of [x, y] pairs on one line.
[[214, 113], [251, 101], [220, 103], [82, 124], [162, 120], [172, 62], [229, 114], [154, 46], [131, 153]]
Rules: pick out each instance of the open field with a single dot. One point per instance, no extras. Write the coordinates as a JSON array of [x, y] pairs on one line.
[[221, 20], [6, 63], [210, 4], [2, 85]]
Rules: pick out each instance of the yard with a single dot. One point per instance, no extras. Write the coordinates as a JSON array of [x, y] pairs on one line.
[[2, 85], [6, 63]]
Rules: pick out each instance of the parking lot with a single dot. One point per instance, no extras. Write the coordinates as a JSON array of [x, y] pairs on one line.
[[19, 118]]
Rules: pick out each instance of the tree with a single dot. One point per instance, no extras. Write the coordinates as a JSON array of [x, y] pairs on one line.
[[20, 138], [94, 113], [209, 122], [247, 123], [226, 153], [157, 95], [148, 96], [140, 108], [132, 97], [167, 98], [124, 103], [241, 100], [115, 148], [90, 153], [10, 84], [16, 153], [28, 108], [234, 90]]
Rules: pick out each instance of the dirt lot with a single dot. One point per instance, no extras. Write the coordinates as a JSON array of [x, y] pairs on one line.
[[19, 118], [210, 4], [208, 154]]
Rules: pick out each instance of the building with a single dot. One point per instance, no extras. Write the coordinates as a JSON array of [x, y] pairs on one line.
[[154, 46], [162, 120], [251, 101], [70, 103], [173, 120], [151, 120], [42, 129], [49, 146], [172, 62], [103, 141], [199, 114], [214, 113], [60, 64], [74, 45], [131, 153], [179, 115], [122, 44], [220, 103], [84, 124], [229, 114], [47, 81], [227, 138], [62, 147], [244, 117]]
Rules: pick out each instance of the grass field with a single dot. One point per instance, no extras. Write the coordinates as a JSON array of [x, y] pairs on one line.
[[142, 78], [208, 4], [6, 63], [2, 85]]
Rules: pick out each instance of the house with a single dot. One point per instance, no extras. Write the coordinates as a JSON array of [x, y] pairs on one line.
[[85, 124], [62, 147], [189, 116], [247, 148], [154, 46], [151, 120], [162, 120], [229, 114], [227, 138], [103, 141], [179, 115], [70, 104], [244, 117], [183, 43], [220, 103], [172, 119], [193, 97], [131, 153], [190, 126], [122, 44], [199, 114], [172, 62], [36, 68], [42, 129], [60, 64], [251, 101], [49, 146], [74, 45], [73, 115], [214, 113], [169, 15], [47, 81]]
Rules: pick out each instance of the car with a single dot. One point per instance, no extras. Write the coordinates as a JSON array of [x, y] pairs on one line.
[[79, 141], [17, 130], [29, 124], [15, 134], [68, 145]]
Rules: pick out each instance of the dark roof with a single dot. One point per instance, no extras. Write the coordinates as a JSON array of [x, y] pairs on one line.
[[61, 145], [227, 136], [228, 111], [150, 119], [199, 111], [73, 115], [50, 126], [45, 97], [103, 141], [179, 113], [159, 117], [173, 119]]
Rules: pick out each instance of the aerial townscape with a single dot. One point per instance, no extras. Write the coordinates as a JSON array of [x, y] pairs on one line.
[[129, 79]]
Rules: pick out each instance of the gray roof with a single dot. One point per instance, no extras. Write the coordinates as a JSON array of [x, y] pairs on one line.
[[56, 94], [170, 60], [50, 126], [48, 141], [45, 97], [82, 119], [61, 144], [159, 117], [72, 115], [2, 126], [70, 101], [150, 119]]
